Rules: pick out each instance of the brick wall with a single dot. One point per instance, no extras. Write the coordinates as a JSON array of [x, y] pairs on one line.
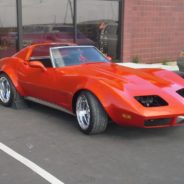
[[153, 30]]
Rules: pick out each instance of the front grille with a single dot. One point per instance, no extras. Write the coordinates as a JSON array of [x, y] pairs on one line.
[[157, 122], [180, 92]]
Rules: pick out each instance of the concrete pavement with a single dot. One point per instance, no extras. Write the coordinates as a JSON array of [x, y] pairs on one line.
[[51, 139]]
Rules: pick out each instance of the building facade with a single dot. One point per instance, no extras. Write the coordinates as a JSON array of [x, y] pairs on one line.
[[128, 30], [153, 30]]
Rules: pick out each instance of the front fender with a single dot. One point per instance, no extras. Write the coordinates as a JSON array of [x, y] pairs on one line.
[[113, 98]]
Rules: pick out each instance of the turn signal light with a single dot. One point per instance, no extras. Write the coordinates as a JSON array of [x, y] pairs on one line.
[[126, 116]]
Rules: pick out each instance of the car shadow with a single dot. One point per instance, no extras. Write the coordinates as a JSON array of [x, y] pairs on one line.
[[69, 122], [114, 130], [59, 116]]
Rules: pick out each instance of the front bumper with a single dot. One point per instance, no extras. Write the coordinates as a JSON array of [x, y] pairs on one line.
[[158, 120], [164, 122]]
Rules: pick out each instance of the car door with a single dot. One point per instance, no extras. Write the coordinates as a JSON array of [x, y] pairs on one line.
[[36, 82], [65, 82]]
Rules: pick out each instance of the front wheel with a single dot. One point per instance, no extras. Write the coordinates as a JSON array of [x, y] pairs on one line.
[[91, 117]]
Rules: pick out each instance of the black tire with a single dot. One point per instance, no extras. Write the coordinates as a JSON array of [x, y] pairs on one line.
[[98, 117], [15, 99]]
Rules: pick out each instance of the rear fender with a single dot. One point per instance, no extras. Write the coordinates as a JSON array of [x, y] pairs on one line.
[[13, 77]]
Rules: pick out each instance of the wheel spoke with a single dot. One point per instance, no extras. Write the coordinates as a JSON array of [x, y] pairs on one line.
[[83, 112], [5, 90]]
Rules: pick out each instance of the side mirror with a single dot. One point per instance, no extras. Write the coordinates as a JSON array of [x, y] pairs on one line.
[[37, 64]]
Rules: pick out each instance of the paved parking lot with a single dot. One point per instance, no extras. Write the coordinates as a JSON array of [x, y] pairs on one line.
[[51, 140]]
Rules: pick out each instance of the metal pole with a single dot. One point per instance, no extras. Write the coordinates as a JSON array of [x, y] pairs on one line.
[[75, 20], [19, 24], [121, 29]]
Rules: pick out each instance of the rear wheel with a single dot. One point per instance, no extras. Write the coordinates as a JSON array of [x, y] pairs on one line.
[[91, 117], [8, 94]]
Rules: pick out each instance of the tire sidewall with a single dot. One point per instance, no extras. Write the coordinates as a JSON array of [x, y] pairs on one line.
[[9, 103]]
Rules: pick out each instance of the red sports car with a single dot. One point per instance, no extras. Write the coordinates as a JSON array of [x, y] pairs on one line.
[[80, 80]]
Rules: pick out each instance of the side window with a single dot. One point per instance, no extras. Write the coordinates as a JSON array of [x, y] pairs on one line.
[[41, 54], [66, 57], [57, 58], [46, 61]]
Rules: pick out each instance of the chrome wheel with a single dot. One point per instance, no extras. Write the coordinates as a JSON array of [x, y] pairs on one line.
[[83, 112], [5, 90]]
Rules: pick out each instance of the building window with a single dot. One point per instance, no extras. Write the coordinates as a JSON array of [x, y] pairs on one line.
[[53, 21], [47, 21], [8, 28], [98, 21]]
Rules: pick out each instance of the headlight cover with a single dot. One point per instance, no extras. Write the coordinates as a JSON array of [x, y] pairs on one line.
[[151, 101]]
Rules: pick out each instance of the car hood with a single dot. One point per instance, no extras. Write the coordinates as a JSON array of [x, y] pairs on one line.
[[133, 81], [138, 77], [129, 82], [126, 83]]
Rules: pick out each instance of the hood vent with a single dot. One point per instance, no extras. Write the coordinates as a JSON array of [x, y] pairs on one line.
[[151, 101], [181, 92]]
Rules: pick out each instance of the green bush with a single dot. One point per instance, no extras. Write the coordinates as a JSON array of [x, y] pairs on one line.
[[136, 59]]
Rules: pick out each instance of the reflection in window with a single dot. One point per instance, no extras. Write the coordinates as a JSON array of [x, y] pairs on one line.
[[8, 29], [98, 20], [47, 21]]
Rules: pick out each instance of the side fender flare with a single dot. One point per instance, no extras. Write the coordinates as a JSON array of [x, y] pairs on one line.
[[14, 79], [107, 95]]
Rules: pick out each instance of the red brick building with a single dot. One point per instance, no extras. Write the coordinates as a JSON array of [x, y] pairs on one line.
[[153, 30]]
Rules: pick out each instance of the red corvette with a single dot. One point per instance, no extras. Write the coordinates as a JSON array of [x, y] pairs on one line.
[[80, 80]]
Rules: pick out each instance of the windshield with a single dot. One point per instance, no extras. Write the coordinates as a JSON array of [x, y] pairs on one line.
[[75, 55]]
